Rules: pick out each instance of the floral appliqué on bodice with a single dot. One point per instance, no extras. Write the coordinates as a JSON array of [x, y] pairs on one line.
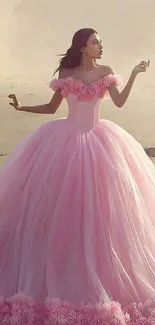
[[84, 92]]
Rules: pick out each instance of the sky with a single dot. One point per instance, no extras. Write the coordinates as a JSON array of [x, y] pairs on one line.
[[34, 32]]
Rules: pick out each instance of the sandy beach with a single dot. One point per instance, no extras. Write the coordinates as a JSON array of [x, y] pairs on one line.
[[28, 59]]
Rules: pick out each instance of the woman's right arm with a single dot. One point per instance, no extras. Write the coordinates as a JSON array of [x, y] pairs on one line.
[[49, 108]]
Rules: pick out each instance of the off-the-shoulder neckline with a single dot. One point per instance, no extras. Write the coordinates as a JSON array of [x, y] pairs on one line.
[[82, 82]]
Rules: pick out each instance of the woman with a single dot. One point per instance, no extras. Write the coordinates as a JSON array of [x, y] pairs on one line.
[[77, 204]]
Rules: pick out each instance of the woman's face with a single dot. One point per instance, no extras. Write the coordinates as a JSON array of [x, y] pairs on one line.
[[94, 48]]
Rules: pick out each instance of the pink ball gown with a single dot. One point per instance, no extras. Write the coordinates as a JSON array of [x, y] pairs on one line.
[[77, 220]]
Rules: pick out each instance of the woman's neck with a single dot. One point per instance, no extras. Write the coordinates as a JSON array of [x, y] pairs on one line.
[[87, 64]]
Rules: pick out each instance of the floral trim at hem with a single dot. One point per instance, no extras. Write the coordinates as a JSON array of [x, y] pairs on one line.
[[85, 92], [22, 310]]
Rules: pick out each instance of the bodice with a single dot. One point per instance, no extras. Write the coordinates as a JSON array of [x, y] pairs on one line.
[[84, 100]]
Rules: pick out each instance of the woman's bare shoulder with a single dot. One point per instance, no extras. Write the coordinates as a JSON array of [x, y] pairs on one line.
[[64, 73], [105, 70]]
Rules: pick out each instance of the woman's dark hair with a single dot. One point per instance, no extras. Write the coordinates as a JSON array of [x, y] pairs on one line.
[[72, 57]]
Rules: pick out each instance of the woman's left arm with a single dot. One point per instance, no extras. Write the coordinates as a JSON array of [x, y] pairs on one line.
[[119, 98]]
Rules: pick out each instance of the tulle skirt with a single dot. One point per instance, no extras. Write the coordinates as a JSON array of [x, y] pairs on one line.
[[77, 226]]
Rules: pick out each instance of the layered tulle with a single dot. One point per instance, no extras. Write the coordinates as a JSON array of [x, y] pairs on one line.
[[77, 225], [77, 210]]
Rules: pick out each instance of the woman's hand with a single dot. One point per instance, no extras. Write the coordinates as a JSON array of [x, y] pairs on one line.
[[141, 67], [15, 102]]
